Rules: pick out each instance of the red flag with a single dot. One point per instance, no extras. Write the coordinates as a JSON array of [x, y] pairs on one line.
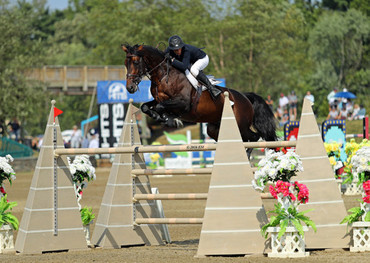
[[57, 112]]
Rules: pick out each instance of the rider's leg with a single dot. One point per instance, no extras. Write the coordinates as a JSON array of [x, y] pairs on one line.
[[212, 90], [196, 70], [191, 78]]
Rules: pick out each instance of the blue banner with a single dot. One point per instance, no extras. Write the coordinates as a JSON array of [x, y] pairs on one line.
[[116, 92]]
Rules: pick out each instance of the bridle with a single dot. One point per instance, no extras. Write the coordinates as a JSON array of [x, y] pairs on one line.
[[136, 78], [143, 71]]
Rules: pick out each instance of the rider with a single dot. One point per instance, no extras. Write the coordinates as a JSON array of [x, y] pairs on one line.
[[190, 60]]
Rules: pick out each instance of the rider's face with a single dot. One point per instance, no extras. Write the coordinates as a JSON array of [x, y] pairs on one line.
[[178, 51]]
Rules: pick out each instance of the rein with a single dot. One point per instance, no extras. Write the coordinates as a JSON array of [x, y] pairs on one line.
[[147, 73]]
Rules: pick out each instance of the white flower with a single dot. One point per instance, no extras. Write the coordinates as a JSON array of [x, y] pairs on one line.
[[256, 186], [276, 166], [6, 170], [272, 173], [73, 169], [360, 161], [82, 164], [9, 158]]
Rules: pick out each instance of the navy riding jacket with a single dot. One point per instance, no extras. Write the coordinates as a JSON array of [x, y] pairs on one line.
[[188, 57]]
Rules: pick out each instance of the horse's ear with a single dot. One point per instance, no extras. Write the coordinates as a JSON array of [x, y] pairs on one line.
[[125, 47], [141, 47]]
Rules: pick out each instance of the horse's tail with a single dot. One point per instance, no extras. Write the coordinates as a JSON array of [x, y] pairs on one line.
[[264, 120]]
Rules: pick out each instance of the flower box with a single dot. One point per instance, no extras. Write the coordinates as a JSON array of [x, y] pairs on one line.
[[87, 235], [290, 245], [360, 237], [6, 240], [353, 188]]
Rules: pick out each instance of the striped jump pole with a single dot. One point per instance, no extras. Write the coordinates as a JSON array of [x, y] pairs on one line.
[[167, 148], [191, 196], [139, 172], [169, 221]]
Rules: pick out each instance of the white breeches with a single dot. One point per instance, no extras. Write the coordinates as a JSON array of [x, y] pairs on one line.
[[200, 64]]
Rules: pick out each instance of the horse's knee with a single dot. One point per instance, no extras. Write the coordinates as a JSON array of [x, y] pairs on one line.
[[144, 108], [249, 153], [159, 108]]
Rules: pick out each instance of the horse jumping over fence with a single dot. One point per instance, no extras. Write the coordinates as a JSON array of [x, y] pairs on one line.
[[175, 99]]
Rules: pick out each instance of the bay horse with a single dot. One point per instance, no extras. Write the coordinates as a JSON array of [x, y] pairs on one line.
[[175, 99]]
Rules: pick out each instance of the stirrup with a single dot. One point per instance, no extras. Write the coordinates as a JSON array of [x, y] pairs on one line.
[[215, 91], [213, 97]]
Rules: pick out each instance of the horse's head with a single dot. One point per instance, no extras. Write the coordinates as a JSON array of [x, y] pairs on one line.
[[135, 66]]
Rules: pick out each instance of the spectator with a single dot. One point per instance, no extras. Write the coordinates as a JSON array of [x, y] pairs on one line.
[[349, 106], [283, 101], [270, 102], [2, 128], [330, 97], [15, 129], [35, 143], [360, 114], [94, 141], [343, 113], [76, 137], [355, 111], [310, 97], [333, 113], [292, 105], [279, 113], [285, 117], [85, 142], [41, 139]]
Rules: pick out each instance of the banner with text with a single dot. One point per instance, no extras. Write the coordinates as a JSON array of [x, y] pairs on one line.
[[116, 92]]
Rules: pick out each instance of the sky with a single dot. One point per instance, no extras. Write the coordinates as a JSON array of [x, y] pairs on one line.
[[57, 4]]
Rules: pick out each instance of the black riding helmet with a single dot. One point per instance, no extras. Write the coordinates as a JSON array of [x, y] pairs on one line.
[[175, 42]]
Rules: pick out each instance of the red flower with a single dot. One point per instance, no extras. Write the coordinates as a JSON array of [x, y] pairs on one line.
[[292, 196], [366, 185], [2, 190], [282, 149], [303, 192], [273, 191], [366, 199]]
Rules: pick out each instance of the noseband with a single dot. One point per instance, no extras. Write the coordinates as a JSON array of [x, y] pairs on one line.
[[136, 78]]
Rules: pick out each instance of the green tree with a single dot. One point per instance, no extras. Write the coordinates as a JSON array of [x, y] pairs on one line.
[[338, 44], [19, 51], [262, 46], [362, 6]]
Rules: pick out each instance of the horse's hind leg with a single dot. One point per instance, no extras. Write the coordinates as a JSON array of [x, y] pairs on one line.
[[212, 130], [250, 136]]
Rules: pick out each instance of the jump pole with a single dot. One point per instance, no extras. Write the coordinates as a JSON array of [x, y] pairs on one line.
[[167, 148]]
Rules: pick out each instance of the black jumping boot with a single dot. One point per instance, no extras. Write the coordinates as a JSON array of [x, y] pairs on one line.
[[212, 89]]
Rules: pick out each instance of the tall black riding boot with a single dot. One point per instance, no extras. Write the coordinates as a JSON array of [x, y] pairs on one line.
[[212, 89]]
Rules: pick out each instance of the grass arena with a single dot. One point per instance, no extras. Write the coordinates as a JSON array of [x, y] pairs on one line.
[[186, 239]]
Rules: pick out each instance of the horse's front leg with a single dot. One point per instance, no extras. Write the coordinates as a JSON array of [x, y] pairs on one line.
[[149, 108], [170, 119]]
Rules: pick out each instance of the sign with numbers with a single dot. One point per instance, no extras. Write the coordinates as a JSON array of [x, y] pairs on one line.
[[111, 121]]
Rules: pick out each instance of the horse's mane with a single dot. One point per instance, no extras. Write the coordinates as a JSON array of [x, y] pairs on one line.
[[149, 49]]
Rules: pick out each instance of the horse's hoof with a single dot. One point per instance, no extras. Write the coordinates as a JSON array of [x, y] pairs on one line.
[[178, 123], [156, 117]]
